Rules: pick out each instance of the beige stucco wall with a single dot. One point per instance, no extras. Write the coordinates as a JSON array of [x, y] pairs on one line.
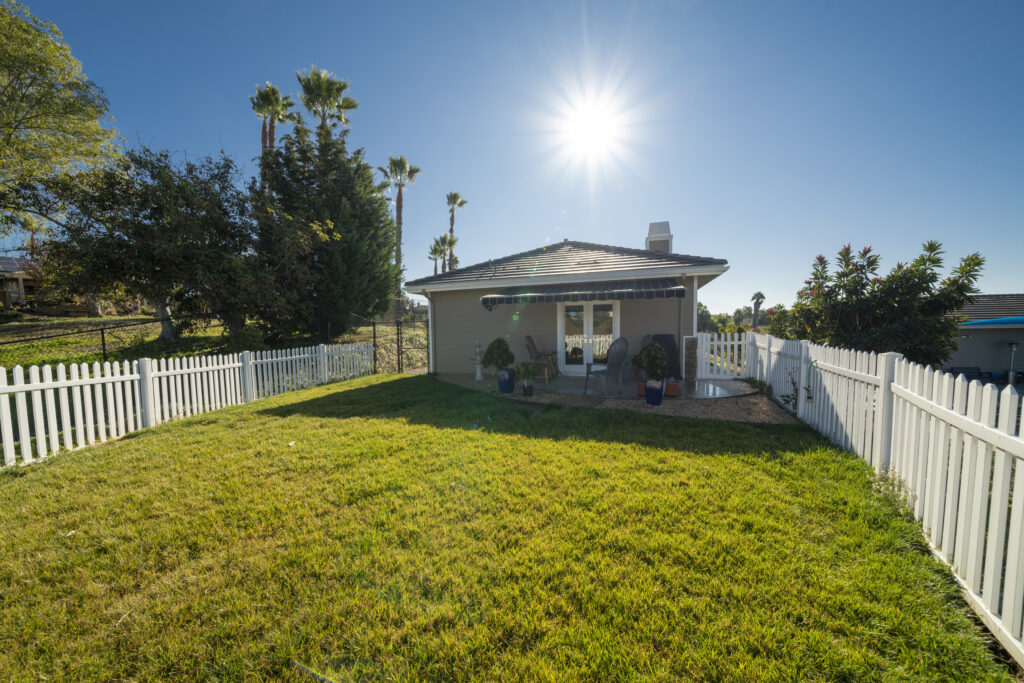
[[460, 320], [988, 349]]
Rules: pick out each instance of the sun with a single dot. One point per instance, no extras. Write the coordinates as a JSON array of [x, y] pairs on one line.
[[590, 127]]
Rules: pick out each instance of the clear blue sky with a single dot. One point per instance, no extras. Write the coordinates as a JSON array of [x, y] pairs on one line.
[[766, 132]]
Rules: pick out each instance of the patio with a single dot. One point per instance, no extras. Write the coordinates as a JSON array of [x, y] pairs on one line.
[[706, 388], [736, 401]]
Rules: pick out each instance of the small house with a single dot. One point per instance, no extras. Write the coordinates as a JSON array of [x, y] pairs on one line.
[[572, 298]]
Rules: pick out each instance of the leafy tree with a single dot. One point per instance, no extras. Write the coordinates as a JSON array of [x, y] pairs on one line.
[[324, 96], [758, 299], [326, 235], [704, 321], [180, 236], [399, 173], [271, 107], [436, 253], [51, 115], [912, 309], [780, 322], [741, 314]]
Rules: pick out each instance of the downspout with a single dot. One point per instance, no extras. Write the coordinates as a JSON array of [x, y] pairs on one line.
[[431, 324]]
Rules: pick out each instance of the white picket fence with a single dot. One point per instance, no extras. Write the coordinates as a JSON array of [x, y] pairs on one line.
[[721, 356], [956, 446], [74, 406]]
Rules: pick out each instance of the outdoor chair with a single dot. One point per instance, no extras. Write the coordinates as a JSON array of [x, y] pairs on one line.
[[615, 367], [546, 362]]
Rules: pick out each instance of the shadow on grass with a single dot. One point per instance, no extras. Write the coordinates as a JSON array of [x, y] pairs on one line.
[[423, 400]]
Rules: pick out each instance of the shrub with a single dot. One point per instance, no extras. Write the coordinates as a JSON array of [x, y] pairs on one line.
[[498, 355], [653, 361]]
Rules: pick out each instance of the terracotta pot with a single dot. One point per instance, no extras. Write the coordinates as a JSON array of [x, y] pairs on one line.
[[672, 388]]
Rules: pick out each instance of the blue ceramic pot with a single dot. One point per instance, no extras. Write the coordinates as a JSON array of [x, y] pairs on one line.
[[654, 394], [506, 381]]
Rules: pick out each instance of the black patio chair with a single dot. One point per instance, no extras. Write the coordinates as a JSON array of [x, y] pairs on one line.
[[616, 365]]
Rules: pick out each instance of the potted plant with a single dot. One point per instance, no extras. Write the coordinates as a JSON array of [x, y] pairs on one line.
[[653, 362], [499, 356], [525, 372]]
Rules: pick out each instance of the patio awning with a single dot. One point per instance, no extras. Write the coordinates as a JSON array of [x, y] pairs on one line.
[[657, 288]]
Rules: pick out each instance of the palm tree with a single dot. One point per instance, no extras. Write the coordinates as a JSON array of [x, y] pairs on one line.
[[436, 253], [398, 173], [260, 106], [324, 96], [271, 108], [758, 299], [455, 201], [278, 109], [448, 242]]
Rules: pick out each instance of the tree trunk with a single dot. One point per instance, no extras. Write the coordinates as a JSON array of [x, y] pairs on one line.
[[94, 307], [163, 312], [272, 134], [398, 251], [264, 133], [444, 263], [451, 223], [435, 266]]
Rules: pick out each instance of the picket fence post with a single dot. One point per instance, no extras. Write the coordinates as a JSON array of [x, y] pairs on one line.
[[322, 351], [883, 419], [148, 406], [801, 381], [247, 376]]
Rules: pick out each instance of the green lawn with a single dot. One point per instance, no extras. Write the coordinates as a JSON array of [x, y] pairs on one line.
[[125, 343], [403, 528]]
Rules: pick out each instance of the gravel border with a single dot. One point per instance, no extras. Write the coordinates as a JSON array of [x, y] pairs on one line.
[[751, 408]]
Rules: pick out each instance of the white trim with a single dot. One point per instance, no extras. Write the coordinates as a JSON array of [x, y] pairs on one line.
[[431, 361], [588, 332], [593, 276]]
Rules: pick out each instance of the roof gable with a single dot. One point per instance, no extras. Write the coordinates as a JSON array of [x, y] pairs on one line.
[[568, 258]]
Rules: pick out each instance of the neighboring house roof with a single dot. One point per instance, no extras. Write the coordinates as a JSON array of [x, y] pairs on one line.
[[14, 264], [572, 261], [991, 306]]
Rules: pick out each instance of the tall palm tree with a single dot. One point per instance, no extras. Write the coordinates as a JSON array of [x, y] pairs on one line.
[[758, 299], [399, 173], [262, 109], [455, 201], [278, 109], [448, 242], [324, 96], [436, 253]]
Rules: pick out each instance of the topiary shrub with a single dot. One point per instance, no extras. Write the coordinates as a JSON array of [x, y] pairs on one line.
[[498, 355]]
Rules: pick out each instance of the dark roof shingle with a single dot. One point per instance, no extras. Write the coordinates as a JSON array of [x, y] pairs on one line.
[[568, 258], [990, 306]]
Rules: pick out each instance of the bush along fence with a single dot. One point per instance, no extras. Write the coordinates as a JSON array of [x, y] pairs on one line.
[[955, 445], [70, 407]]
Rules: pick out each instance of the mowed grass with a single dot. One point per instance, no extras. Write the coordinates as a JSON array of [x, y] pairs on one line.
[[400, 528]]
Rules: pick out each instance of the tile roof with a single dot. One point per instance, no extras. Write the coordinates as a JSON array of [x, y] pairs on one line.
[[567, 258], [13, 264], [989, 306]]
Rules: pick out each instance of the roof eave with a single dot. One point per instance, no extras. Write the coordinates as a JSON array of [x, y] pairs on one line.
[[706, 274]]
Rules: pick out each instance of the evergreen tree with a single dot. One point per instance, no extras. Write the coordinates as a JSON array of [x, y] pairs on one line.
[[326, 235]]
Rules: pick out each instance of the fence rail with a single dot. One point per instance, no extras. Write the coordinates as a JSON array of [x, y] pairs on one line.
[[955, 445], [69, 407]]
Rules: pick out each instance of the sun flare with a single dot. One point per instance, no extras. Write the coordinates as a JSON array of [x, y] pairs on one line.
[[590, 131]]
